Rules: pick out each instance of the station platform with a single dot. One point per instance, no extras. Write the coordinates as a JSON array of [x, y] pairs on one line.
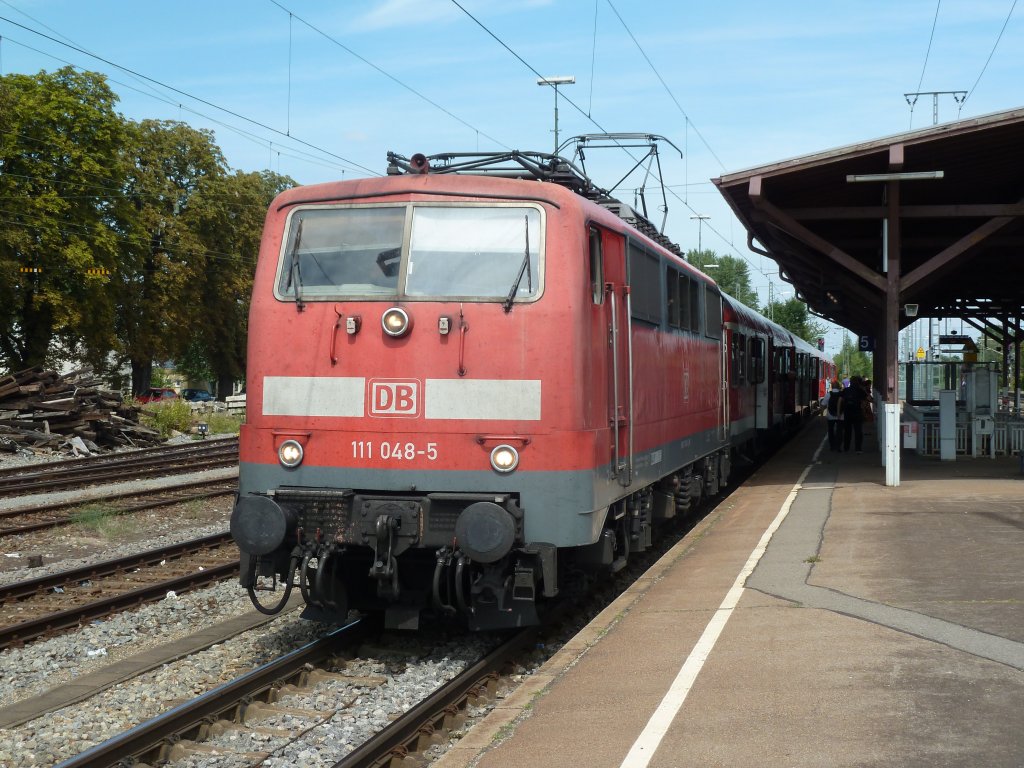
[[815, 618]]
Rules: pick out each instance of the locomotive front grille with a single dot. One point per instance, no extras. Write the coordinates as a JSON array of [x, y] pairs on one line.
[[326, 509], [442, 519]]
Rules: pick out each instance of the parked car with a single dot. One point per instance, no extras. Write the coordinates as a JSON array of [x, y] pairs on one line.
[[156, 394], [197, 395]]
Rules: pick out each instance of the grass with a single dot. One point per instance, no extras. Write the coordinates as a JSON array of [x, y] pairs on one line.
[[167, 417], [222, 423], [103, 521], [176, 416], [192, 510], [813, 559]]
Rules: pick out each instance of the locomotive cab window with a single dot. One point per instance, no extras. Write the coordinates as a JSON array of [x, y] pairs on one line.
[[474, 252], [596, 252], [342, 251]]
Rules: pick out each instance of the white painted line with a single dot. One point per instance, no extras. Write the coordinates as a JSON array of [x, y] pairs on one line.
[[647, 743]]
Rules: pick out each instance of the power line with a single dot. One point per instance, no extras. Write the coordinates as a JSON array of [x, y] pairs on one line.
[[386, 74], [111, 191], [593, 61], [603, 129], [81, 231], [240, 116], [664, 84], [991, 53], [294, 153], [931, 37], [924, 66]]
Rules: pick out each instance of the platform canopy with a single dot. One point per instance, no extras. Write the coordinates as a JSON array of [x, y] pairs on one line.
[[932, 218]]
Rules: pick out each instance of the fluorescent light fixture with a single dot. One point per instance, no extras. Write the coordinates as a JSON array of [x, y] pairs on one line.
[[557, 80], [909, 176]]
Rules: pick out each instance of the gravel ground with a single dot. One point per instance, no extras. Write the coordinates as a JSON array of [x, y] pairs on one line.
[[69, 731], [72, 545], [43, 665]]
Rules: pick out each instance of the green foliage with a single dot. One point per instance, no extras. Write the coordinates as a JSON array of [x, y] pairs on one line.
[[60, 144], [193, 362], [792, 315], [103, 520], [167, 417], [223, 423], [140, 240], [851, 361], [729, 272], [227, 217], [162, 258]]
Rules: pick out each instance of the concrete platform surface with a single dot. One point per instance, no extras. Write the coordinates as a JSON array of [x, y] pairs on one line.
[[880, 627]]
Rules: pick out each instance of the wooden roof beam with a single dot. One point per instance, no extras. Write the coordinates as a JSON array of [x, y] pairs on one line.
[[955, 252], [792, 227]]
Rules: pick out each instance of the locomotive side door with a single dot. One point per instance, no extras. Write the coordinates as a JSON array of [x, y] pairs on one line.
[[620, 357]]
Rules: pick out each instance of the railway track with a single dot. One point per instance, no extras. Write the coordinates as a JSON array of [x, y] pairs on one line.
[[150, 462], [240, 705], [63, 601], [54, 514]]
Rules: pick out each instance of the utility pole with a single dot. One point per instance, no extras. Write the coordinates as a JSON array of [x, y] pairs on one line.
[[554, 82], [700, 220], [958, 96]]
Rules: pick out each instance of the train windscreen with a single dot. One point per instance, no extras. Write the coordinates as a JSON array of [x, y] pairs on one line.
[[474, 252]]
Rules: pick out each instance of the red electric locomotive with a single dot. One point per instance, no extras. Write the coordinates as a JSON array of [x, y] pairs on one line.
[[464, 388]]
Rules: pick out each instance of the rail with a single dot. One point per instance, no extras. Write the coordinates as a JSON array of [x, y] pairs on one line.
[[150, 739]]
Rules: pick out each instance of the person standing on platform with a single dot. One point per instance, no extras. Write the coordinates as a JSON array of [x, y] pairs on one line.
[[853, 415], [833, 403]]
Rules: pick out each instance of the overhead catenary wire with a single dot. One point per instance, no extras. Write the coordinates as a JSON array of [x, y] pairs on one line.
[[109, 190], [668, 90], [293, 152], [386, 74], [78, 230], [198, 99], [600, 127], [991, 53], [927, 53]]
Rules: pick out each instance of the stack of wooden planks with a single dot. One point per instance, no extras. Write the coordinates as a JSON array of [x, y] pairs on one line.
[[43, 410]]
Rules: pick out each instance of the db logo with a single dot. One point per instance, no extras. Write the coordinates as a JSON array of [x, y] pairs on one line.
[[392, 397]]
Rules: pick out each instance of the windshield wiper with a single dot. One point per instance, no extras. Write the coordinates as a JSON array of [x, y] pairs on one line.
[[295, 271], [524, 267]]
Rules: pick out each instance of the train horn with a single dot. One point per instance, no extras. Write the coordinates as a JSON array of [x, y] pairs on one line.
[[419, 163]]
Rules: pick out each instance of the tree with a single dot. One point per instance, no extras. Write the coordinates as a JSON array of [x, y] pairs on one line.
[[792, 315], [227, 215], [162, 260], [851, 361], [729, 272], [60, 139]]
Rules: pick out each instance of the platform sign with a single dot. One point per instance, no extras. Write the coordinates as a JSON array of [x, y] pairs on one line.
[[866, 343]]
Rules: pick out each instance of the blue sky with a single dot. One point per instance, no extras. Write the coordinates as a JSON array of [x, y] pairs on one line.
[[322, 90]]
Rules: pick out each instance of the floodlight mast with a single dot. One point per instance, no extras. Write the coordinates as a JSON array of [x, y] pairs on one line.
[[554, 82]]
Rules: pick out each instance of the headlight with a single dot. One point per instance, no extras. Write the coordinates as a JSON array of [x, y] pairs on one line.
[[504, 459], [290, 453], [395, 322]]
